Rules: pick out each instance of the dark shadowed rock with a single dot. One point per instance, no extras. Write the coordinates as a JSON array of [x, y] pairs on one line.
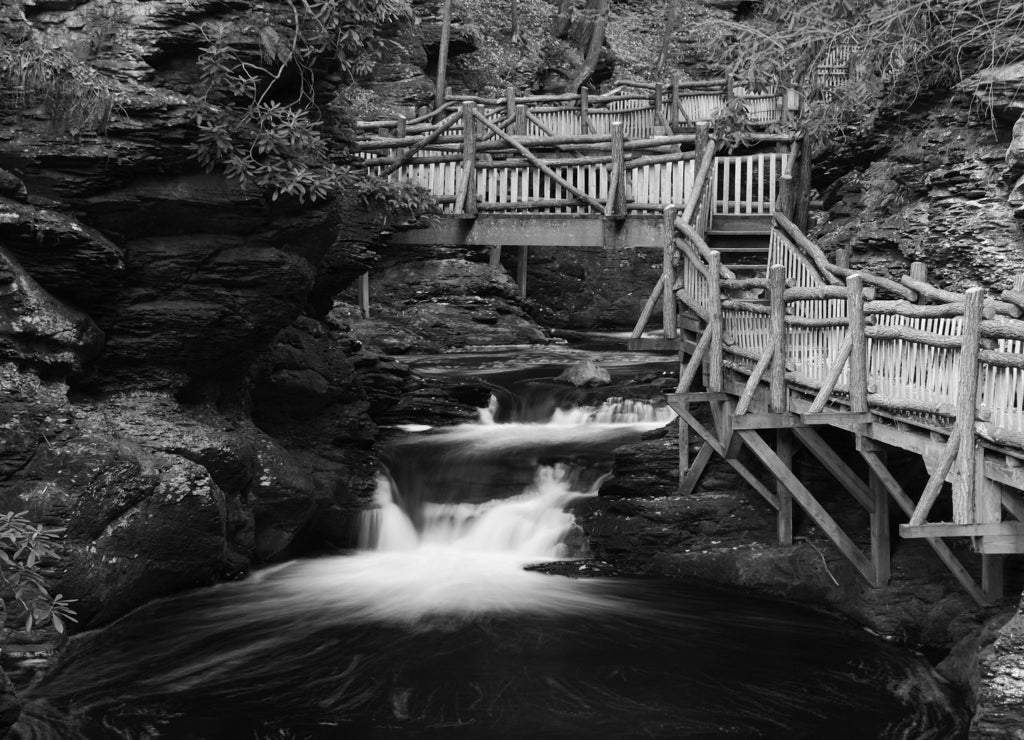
[[37, 330], [999, 685]]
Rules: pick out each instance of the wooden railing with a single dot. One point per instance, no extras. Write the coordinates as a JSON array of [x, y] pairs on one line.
[[854, 341], [644, 109]]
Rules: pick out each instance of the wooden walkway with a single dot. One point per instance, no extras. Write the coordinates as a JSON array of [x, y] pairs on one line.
[[585, 170], [809, 343]]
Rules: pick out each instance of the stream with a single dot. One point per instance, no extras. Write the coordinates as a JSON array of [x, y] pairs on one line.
[[445, 623]]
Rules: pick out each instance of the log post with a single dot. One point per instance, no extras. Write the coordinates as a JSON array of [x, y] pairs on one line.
[[521, 264], [659, 114], [617, 198], [584, 110], [400, 125], [668, 268], [673, 114], [469, 157], [842, 258], [881, 543], [784, 517], [510, 101], [859, 344], [494, 257], [519, 127], [919, 272], [715, 351], [992, 577], [729, 92], [802, 202], [777, 336], [1018, 282], [363, 289], [966, 407]]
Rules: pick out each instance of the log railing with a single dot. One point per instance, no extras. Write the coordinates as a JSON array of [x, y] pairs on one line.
[[487, 166], [951, 363], [643, 108]]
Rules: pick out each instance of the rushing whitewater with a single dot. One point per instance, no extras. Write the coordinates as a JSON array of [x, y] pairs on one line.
[[435, 630]]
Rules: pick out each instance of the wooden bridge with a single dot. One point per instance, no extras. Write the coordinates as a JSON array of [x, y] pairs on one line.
[[585, 170], [784, 340]]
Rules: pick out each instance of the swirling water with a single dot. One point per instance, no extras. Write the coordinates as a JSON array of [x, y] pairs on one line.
[[435, 629]]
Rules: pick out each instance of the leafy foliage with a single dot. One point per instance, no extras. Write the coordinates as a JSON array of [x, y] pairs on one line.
[[891, 50], [261, 118], [25, 550], [75, 97]]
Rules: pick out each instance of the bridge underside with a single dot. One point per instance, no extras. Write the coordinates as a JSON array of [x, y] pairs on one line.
[[539, 230]]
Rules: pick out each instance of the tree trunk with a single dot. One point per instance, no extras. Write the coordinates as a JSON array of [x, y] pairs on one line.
[[585, 30], [442, 53], [670, 28]]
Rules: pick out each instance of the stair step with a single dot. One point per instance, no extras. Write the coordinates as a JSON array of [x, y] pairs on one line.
[[741, 250], [737, 232]]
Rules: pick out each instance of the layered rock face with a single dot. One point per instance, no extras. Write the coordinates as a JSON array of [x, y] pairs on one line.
[[171, 392], [934, 187]]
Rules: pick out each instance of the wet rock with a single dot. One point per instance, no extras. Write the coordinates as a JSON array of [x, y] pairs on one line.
[[999, 685], [585, 373], [999, 89], [37, 330]]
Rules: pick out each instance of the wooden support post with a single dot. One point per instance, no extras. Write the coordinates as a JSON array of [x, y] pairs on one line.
[[784, 517], [992, 577], [494, 257], [858, 344], [521, 264], [363, 290], [668, 269], [400, 124], [808, 503], [519, 127], [584, 110], [1018, 282], [468, 159], [777, 336], [802, 202], [842, 257], [688, 482], [881, 554], [904, 501], [967, 407], [510, 101], [617, 197], [729, 93], [673, 114], [702, 141], [659, 114], [715, 351], [919, 271]]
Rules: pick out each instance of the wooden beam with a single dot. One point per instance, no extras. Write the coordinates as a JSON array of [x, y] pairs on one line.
[[858, 382], [881, 543], [834, 372], [465, 198], [809, 504], [669, 309], [836, 418], [715, 351], [700, 396], [835, 465], [941, 549], [494, 257], [616, 205], [692, 478], [754, 380], [967, 407], [736, 465], [777, 336], [363, 289], [937, 478], [784, 518], [767, 421], [949, 529], [999, 544], [522, 262]]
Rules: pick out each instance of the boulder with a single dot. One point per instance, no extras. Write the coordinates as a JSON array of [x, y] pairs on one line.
[[585, 373], [1000, 89]]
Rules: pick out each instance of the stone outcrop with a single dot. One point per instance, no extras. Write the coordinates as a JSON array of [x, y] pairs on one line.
[[937, 192]]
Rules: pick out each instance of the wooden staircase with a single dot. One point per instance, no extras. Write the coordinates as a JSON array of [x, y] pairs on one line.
[[742, 241]]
